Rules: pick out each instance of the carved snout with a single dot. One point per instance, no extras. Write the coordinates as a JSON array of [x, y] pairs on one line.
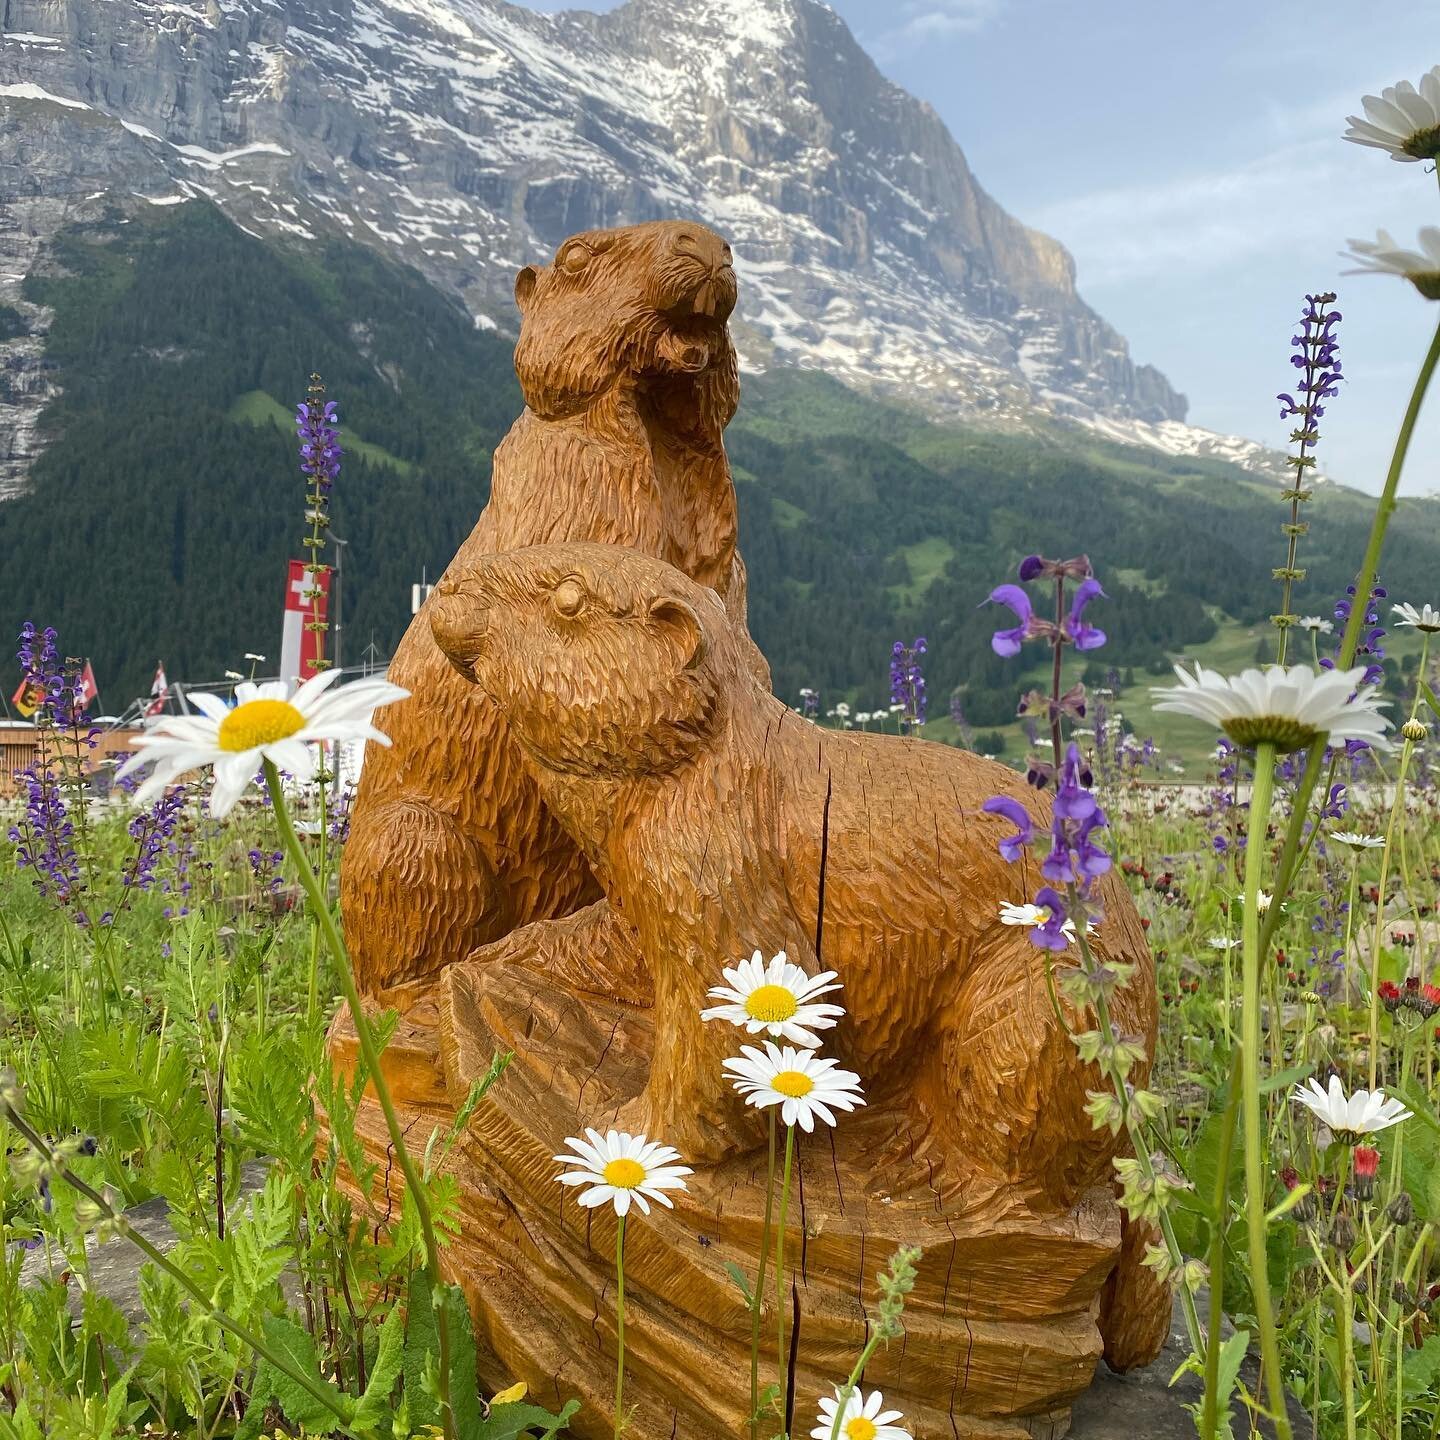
[[459, 613]]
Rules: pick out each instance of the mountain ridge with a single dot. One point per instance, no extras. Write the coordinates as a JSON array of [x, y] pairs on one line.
[[466, 137]]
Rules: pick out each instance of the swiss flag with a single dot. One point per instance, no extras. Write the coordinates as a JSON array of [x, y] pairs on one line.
[[300, 643], [89, 690]]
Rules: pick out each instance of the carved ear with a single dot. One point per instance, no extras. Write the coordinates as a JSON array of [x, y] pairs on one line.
[[525, 285], [679, 621]]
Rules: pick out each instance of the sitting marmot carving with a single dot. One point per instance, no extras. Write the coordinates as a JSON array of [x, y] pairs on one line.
[[629, 379], [716, 819]]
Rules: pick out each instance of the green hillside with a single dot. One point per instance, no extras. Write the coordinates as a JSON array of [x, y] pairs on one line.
[[161, 514]]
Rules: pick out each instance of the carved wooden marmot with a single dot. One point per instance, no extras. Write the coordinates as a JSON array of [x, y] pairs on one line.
[[629, 378], [705, 808]]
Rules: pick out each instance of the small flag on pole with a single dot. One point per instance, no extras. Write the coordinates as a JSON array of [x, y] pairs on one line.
[[89, 690], [159, 690]]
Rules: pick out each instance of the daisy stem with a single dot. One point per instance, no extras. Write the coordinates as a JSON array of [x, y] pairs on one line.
[[370, 1054], [1209, 1418], [1261, 791], [619, 1323], [842, 1400], [757, 1300], [1365, 582], [782, 1368]]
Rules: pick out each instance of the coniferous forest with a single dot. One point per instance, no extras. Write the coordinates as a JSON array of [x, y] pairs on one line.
[[170, 474]]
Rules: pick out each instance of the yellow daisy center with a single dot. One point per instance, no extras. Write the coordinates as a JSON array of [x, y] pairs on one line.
[[259, 722], [624, 1174], [793, 1083], [770, 1003], [860, 1428]]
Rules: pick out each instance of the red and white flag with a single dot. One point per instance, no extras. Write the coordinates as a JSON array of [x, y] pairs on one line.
[[159, 690], [89, 690], [299, 644]]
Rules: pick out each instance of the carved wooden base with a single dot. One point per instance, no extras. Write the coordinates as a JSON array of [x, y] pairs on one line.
[[1000, 1333]]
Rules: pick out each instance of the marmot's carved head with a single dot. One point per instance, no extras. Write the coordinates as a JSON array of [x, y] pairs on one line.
[[603, 660], [647, 304]]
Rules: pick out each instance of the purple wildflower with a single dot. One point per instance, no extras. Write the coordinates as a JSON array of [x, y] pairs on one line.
[[318, 431], [1012, 846], [1008, 642], [907, 683], [1051, 935], [1076, 629]]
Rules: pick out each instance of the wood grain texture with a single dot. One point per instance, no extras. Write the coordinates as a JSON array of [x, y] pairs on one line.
[[629, 378], [592, 804]]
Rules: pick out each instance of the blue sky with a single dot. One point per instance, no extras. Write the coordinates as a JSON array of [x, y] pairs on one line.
[[1190, 159]]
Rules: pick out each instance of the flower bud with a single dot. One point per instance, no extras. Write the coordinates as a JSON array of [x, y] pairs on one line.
[[1403, 1298], [1401, 1210], [1342, 1232], [1367, 1167], [1414, 730]]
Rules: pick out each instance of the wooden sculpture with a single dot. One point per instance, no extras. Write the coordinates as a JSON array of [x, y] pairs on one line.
[[593, 803], [629, 378]]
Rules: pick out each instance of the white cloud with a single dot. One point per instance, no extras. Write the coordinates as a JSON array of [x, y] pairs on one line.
[[919, 22], [1306, 198]]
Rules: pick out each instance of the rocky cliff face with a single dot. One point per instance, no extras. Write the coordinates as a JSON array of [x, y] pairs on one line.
[[468, 136]]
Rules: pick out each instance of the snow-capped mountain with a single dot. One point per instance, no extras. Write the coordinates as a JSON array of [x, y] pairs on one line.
[[466, 137]]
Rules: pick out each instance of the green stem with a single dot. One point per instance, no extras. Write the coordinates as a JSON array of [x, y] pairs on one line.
[[619, 1324], [781, 1366], [1261, 791], [757, 1299], [842, 1399], [1346, 1337], [1209, 1410], [370, 1054], [1363, 585]]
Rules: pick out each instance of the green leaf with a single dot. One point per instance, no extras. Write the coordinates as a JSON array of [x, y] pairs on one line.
[[299, 1405], [374, 1405], [741, 1279], [1283, 1079], [422, 1342], [505, 1422], [464, 1387]]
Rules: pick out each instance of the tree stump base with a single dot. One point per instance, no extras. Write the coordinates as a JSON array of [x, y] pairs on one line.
[[1001, 1330]]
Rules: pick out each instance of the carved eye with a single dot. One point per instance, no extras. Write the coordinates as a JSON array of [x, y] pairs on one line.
[[568, 598], [574, 258]]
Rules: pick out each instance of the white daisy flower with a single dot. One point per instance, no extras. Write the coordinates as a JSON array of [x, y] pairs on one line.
[[863, 1418], [1426, 618], [1262, 902], [1357, 841], [1288, 706], [620, 1167], [799, 1081], [1314, 622], [1384, 256], [262, 725], [776, 999], [1033, 916], [1402, 120], [1219, 942], [1362, 1113]]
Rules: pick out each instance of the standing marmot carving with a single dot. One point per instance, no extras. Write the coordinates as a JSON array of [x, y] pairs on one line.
[[704, 806], [629, 378]]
